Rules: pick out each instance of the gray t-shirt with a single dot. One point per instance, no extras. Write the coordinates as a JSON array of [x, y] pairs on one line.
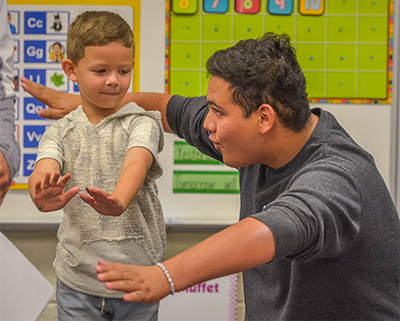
[[93, 155], [335, 226]]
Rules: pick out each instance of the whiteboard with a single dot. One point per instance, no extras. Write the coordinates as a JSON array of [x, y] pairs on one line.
[[370, 125]]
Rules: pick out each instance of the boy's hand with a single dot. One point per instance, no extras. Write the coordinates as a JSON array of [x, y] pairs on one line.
[[103, 202], [49, 194]]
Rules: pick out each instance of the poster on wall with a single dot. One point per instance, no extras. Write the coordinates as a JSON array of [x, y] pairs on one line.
[[214, 300], [39, 35]]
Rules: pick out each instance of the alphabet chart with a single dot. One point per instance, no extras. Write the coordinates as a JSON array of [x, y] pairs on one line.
[[344, 47], [39, 35]]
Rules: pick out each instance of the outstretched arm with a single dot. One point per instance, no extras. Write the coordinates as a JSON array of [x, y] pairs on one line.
[[46, 188], [133, 172], [62, 103], [244, 245]]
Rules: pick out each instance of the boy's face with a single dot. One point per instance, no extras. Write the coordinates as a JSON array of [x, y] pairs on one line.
[[104, 76], [234, 135]]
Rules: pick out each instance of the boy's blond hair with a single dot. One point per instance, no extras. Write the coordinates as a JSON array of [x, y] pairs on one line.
[[97, 28]]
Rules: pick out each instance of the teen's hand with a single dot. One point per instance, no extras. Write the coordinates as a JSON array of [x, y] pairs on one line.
[[103, 202], [146, 284], [49, 194], [60, 103]]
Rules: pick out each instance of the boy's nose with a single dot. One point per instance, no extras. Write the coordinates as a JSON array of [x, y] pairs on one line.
[[112, 80]]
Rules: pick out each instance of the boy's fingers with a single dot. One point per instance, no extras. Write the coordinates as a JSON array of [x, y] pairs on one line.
[[97, 193], [55, 178], [38, 186], [71, 193], [46, 180], [64, 180], [87, 199]]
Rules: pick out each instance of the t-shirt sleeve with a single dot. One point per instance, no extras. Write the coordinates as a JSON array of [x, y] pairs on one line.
[[186, 118], [50, 145], [317, 216], [146, 131]]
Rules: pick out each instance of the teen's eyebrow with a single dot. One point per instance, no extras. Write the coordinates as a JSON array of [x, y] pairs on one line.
[[212, 103]]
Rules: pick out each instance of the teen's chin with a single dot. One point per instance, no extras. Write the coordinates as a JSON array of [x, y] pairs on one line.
[[233, 162]]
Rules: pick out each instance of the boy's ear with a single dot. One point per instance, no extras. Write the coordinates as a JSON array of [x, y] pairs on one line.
[[267, 117], [69, 69]]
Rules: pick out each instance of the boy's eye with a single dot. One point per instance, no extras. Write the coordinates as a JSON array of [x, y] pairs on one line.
[[99, 71], [125, 71]]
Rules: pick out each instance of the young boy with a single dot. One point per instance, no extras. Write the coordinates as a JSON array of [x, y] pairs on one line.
[[111, 150]]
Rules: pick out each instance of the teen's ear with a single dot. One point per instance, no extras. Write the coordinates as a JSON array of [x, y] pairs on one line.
[[69, 69], [267, 117], [133, 64]]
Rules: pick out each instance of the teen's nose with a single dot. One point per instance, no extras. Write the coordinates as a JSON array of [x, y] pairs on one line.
[[209, 124]]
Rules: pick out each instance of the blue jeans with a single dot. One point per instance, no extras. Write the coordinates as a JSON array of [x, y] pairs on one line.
[[74, 306]]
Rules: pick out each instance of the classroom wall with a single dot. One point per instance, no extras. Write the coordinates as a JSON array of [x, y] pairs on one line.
[[370, 126]]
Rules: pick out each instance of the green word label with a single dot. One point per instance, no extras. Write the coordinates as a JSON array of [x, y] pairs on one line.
[[186, 154], [206, 182]]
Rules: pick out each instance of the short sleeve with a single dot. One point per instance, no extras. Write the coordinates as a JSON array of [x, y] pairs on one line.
[[145, 131], [50, 145], [317, 216]]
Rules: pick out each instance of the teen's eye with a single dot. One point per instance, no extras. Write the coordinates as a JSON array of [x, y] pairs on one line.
[[125, 72], [99, 71], [218, 113]]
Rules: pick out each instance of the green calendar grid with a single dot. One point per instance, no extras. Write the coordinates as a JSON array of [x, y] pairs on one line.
[[345, 53]]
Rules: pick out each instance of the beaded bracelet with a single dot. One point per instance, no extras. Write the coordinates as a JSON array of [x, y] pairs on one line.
[[171, 284]]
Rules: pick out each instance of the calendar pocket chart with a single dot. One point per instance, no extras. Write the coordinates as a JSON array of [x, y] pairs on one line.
[[344, 47]]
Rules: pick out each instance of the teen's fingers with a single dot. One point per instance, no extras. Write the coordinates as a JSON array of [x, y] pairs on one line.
[[134, 296]]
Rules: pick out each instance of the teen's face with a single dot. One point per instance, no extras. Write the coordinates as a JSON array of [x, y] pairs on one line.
[[104, 76], [234, 135]]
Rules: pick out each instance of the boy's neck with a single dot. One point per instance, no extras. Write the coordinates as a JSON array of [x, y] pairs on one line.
[[96, 114]]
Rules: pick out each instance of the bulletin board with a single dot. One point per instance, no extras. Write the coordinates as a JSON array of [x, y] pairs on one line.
[[39, 31], [344, 47]]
